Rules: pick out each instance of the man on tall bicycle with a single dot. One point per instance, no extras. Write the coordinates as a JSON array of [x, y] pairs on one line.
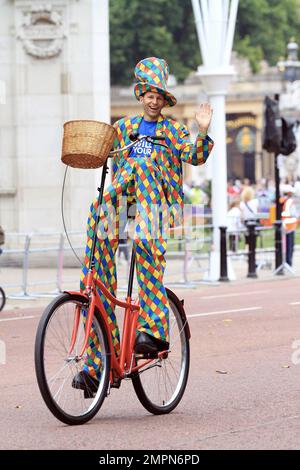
[[150, 176]]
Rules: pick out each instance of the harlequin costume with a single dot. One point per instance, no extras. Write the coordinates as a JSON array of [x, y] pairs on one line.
[[149, 181]]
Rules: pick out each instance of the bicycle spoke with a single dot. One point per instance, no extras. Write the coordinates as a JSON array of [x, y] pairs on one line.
[[52, 379], [60, 389], [158, 388]]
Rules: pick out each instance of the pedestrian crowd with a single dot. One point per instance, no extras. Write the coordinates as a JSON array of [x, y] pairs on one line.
[[257, 202]]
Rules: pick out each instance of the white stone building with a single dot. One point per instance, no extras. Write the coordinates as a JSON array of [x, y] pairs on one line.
[[54, 67]]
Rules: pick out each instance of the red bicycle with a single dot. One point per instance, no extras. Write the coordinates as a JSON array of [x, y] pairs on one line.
[[75, 319]]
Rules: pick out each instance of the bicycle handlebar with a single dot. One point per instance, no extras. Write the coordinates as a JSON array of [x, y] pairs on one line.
[[135, 137]]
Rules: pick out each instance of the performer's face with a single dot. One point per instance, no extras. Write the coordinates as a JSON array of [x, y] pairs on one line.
[[153, 103]]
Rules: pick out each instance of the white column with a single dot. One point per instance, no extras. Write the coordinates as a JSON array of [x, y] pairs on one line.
[[216, 84], [100, 59], [101, 67], [8, 161], [219, 167], [215, 23]]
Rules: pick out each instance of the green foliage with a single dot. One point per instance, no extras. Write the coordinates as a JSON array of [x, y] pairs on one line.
[[253, 53], [163, 28], [166, 28], [264, 28]]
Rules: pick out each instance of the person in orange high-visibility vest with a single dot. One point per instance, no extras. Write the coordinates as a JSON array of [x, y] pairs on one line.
[[289, 220]]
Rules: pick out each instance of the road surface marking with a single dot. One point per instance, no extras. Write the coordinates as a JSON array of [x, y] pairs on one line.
[[18, 318], [220, 312], [237, 294], [294, 303]]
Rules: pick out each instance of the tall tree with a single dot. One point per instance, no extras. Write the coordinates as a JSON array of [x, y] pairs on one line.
[[162, 28], [166, 28], [264, 27]]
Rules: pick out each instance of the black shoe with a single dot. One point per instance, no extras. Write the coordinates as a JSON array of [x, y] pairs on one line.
[[86, 382], [146, 344]]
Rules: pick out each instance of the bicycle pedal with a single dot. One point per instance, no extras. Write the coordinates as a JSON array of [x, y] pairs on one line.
[[116, 384]]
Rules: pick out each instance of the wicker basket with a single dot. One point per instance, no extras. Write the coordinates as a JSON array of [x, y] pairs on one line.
[[86, 144]]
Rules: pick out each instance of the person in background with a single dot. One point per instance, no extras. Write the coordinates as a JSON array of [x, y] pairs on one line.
[[271, 190], [238, 188], [264, 202], [246, 182], [261, 189], [249, 204], [234, 224], [289, 220], [232, 193]]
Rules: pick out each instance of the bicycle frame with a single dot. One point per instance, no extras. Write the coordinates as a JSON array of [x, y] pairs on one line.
[[122, 365]]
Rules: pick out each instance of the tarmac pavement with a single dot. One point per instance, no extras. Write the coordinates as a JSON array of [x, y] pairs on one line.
[[243, 390]]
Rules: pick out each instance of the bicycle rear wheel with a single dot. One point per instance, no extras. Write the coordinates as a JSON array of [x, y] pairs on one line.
[[2, 299], [161, 385], [56, 368]]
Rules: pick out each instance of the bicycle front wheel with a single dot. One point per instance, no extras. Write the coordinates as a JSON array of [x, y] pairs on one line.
[[161, 384], [56, 367], [2, 299]]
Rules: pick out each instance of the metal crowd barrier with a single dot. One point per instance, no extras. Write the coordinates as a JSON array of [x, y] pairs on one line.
[[27, 251], [193, 251], [190, 256], [258, 255], [57, 248]]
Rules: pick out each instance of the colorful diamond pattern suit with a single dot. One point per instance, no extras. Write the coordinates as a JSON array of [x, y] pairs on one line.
[[150, 182]]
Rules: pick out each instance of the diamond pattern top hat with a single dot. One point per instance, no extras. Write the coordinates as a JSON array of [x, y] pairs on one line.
[[152, 75]]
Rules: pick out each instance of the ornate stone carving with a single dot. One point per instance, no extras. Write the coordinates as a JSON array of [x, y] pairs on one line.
[[42, 32]]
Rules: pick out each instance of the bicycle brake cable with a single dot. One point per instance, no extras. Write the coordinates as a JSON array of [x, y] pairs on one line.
[[63, 217]]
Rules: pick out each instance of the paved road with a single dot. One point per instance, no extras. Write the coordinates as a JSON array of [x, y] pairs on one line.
[[243, 391]]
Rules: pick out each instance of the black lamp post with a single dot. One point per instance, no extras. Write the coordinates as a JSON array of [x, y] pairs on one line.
[[278, 222]]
